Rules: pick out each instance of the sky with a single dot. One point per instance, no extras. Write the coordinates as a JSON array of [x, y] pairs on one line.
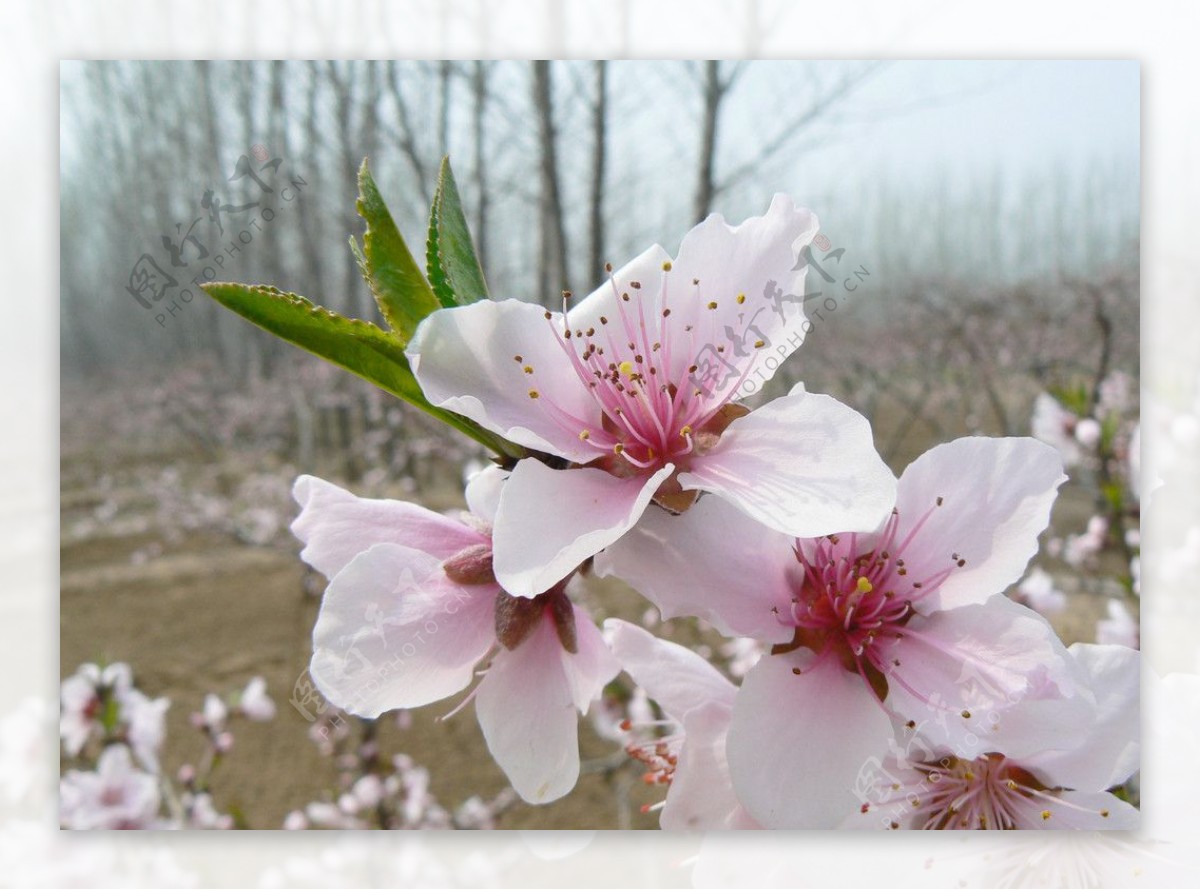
[[923, 119]]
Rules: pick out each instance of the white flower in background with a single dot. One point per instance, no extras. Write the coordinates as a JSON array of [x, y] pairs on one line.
[[609, 715], [630, 394], [1116, 394], [214, 712], [145, 720], [1120, 628], [202, 813], [1088, 433], [1081, 550], [81, 698], [136, 718], [254, 701], [743, 653], [116, 795], [1055, 425], [1037, 591]]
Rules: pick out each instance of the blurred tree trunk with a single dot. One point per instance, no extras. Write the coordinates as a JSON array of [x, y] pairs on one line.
[[445, 69], [405, 134], [553, 274], [310, 249], [713, 91], [599, 162], [357, 300], [480, 93]]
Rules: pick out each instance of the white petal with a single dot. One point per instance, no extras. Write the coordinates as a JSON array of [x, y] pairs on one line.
[[798, 743], [701, 795], [1105, 753], [646, 269], [803, 464], [527, 712], [753, 259], [591, 666], [712, 562], [465, 360], [550, 521], [991, 677], [677, 678], [996, 499], [394, 632], [483, 492], [335, 526], [1078, 810]]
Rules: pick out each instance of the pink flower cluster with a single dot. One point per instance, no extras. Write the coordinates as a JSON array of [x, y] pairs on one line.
[[886, 680]]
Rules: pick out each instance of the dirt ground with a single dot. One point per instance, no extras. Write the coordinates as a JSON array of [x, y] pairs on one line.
[[204, 612]]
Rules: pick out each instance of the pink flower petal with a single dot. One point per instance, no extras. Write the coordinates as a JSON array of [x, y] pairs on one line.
[[701, 796], [1078, 810], [798, 742], [483, 492], [713, 562], [337, 526], [646, 269], [728, 261], [677, 678], [528, 706], [549, 521], [803, 464], [996, 498], [1107, 752], [591, 666], [991, 677], [394, 632], [465, 359]]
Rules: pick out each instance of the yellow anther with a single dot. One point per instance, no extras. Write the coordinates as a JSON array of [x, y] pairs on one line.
[[685, 431], [741, 298], [528, 369], [585, 435], [759, 344], [1045, 815], [533, 393], [864, 586], [618, 448], [667, 266], [625, 368], [712, 305]]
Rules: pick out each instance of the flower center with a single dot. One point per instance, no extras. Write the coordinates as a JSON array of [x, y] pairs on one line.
[[659, 400], [990, 792], [856, 596]]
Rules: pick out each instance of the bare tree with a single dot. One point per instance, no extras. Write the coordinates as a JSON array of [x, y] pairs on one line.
[[714, 89], [717, 81], [599, 163], [403, 133], [479, 92], [553, 266]]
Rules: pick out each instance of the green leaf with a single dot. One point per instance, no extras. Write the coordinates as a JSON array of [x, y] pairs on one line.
[[1074, 398], [450, 259], [400, 288], [357, 346]]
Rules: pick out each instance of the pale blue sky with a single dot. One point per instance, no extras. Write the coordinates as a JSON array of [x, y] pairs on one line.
[[925, 119]]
